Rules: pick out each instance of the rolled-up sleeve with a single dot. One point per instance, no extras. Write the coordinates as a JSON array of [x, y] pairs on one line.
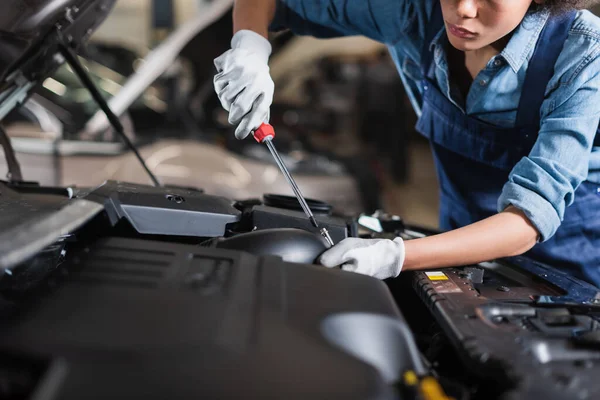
[[381, 20], [543, 184]]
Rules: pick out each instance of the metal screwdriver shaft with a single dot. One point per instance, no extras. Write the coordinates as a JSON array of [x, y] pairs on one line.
[[265, 134], [268, 142], [290, 180]]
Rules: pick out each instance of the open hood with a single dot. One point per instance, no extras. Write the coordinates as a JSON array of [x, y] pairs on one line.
[[30, 35]]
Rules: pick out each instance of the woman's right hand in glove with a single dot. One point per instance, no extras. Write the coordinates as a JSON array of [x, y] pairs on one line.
[[243, 82]]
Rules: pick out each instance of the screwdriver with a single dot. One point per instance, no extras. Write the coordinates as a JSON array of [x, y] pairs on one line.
[[265, 134]]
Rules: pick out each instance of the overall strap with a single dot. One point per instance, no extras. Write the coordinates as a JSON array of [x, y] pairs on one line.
[[433, 27], [541, 68]]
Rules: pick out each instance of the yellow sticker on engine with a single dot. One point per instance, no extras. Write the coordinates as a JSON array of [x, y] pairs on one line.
[[436, 276]]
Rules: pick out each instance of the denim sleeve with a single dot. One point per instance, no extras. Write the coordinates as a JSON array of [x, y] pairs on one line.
[[381, 20], [543, 184]]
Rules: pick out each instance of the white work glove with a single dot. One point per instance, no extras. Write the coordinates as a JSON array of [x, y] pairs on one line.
[[243, 82], [379, 258]]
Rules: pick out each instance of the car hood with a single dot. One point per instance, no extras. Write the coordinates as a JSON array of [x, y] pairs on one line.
[[30, 34]]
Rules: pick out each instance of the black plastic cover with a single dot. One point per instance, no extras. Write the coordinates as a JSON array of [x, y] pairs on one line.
[[153, 320], [292, 203], [265, 217], [165, 211], [292, 245], [30, 222]]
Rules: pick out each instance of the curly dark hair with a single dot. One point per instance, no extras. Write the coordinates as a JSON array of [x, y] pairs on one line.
[[558, 6]]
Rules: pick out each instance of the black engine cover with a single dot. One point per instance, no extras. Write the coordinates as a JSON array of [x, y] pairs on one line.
[[292, 245], [154, 320]]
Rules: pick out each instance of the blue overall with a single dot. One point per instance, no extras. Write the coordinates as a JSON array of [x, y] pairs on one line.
[[473, 159]]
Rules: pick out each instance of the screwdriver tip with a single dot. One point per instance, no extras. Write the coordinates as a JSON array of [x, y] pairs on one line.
[[313, 221], [327, 237]]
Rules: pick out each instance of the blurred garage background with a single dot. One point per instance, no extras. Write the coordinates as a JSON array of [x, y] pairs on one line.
[[345, 126]]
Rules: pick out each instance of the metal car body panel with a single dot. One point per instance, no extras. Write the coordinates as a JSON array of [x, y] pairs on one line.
[[186, 163]]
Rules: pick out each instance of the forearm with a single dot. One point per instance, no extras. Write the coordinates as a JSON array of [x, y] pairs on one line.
[[505, 234], [254, 15]]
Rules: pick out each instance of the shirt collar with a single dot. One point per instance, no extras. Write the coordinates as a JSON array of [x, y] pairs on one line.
[[438, 39], [524, 38]]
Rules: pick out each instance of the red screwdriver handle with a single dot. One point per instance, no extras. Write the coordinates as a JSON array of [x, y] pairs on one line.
[[263, 132]]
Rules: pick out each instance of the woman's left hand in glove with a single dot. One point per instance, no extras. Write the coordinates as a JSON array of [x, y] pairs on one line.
[[379, 258]]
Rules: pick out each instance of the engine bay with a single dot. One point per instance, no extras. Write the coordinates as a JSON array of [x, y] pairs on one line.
[[173, 292]]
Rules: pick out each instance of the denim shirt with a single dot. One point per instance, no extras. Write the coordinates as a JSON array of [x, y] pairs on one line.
[[542, 184]]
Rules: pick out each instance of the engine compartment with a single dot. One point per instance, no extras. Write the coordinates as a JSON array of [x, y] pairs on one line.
[[161, 315], [242, 310]]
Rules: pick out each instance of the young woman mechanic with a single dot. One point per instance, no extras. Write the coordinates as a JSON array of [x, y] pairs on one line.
[[507, 92]]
